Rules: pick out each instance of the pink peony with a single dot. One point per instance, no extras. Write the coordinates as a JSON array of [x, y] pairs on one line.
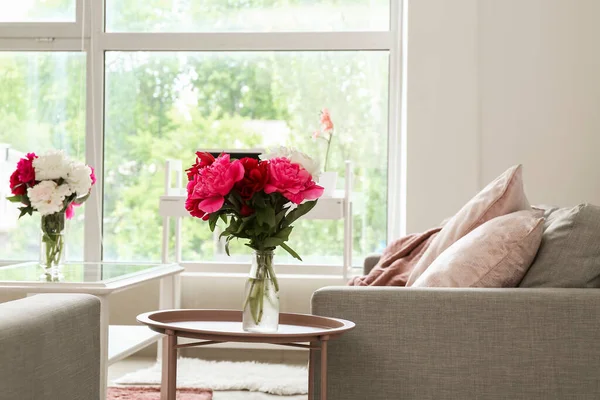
[[25, 168], [208, 188], [203, 159], [70, 210], [292, 181], [17, 187], [24, 175], [93, 176]]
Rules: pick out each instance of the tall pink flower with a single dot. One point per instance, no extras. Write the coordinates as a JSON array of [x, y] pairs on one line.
[[326, 122], [208, 188], [292, 181]]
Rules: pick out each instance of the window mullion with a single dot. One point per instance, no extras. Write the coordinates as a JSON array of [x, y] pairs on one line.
[[95, 135], [396, 199]]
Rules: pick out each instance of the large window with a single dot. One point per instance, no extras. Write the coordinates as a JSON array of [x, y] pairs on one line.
[[37, 11], [156, 80], [42, 97]]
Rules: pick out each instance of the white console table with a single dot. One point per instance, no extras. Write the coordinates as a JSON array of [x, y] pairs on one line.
[[172, 206]]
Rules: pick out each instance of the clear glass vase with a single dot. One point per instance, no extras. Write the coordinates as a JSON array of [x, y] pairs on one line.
[[261, 304], [53, 245]]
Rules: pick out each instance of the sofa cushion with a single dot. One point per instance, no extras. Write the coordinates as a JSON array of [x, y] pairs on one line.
[[569, 255], [502, 196], [494, 255]]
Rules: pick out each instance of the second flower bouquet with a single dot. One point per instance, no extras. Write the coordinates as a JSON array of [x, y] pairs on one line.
[[258, 200]]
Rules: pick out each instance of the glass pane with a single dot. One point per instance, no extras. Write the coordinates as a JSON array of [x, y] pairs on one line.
[[247, 15], [75, 272], [37, 11], [163, 106], [42, 107]]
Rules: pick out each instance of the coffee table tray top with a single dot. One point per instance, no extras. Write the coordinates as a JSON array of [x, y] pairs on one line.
[[226, 325]]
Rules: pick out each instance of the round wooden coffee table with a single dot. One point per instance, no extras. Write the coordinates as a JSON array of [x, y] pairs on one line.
[[218, 326]]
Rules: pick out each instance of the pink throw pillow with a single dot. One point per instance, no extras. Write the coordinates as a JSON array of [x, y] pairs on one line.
[[496, 254], [503, 196]]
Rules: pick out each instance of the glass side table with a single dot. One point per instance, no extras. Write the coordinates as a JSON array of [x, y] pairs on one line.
[[102, 279]]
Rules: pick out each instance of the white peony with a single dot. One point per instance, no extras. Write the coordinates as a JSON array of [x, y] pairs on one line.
[[296, 157], [309, 164], [280, 151], [47, 197], [79, 179], [52, 165]]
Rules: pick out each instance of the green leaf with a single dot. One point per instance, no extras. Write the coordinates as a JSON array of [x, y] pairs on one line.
[[272, 242], [284, 234], [212, 221], [15, 199], [299, 211], [265, 216], [81, 200], [227, 247], [223, 218], [291, 251], [244, 224], [270, 217], [279, 216], [25, 210], [234, 200], [258, 201]]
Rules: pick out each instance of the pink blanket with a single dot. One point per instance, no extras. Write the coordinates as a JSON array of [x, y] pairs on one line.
[[397, 261]]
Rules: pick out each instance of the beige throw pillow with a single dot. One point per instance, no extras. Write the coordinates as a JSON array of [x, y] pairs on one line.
[[503, 196], [496, 254]]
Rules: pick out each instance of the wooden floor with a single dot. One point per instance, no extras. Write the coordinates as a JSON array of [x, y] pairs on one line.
[[135, 363]]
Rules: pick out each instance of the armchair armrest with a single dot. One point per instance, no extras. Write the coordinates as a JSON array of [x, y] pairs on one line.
[[370, 262], [426, 343], [50, 348]]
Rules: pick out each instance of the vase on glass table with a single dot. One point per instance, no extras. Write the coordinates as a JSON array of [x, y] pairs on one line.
[[52, 247]]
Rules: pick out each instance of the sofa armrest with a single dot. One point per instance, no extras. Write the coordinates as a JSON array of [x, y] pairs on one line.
[[50, 348], [370, 262], [425, 343]]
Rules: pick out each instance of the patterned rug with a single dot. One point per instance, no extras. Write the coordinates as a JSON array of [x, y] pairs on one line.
[[153, 393]]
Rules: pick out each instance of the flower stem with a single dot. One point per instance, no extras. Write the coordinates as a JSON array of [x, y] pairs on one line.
[[327, 152], [53, 226], [261, 283]]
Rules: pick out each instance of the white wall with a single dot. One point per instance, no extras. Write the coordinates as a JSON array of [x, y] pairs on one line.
[[494, 83], [540, 95]]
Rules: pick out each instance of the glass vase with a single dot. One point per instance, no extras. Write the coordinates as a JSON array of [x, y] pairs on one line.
[[261, 304], [53, 245]]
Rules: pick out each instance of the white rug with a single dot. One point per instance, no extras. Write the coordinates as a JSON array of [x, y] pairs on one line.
[[221, 375]]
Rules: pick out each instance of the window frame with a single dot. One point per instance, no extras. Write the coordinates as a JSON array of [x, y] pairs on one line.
[[88, 34], [51, 30]]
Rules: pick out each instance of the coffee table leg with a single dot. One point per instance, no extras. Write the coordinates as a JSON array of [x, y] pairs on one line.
[[323, 370], [168, 388], [311, 373]]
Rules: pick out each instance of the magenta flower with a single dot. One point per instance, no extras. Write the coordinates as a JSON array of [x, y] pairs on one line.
[[70, 210], [208, 188], [292, 181], [93, 176]]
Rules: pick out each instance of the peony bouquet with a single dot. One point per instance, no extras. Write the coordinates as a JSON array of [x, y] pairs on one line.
[[52, 185], [258, 200]]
